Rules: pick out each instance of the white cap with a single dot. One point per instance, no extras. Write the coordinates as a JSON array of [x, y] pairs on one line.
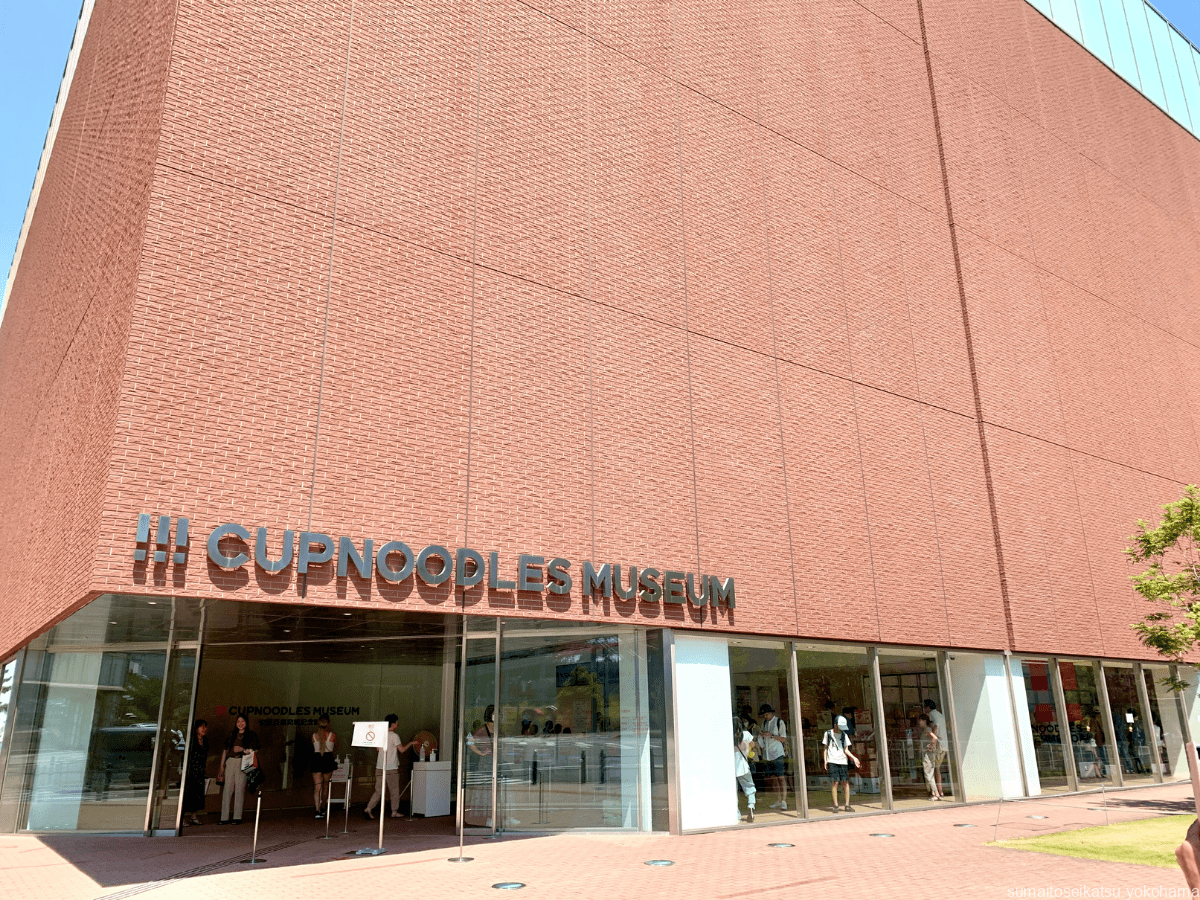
[[841, 724]]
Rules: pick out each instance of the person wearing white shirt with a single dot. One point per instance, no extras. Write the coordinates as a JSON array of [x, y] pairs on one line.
[[931, 754], [938, 721], [741, 763], [837, 760], [387, 765], [772, 738]]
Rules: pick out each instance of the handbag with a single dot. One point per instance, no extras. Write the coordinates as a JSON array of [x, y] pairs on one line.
[[253, 772]]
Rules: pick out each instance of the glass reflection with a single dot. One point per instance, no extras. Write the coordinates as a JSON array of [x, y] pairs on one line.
[[837, 681], [919, 741], [1043, 718], [1089, 740], [760, 676], [574, 733], [1165, 737], [1133, 753]]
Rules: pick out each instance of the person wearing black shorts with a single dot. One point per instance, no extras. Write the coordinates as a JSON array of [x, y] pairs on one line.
[[324, 762], [772, 739], [837, 760]]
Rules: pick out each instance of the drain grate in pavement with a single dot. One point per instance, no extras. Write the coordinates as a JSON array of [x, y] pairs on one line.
[[192, 873]]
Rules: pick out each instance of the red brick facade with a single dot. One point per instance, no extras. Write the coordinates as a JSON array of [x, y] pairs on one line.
[[665, 284]]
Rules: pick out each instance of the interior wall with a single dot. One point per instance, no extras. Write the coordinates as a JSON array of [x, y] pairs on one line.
[[297, 692]]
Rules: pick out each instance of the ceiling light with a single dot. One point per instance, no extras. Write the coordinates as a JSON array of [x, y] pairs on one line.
[[287, 631], [112, 623], [152, 602], [347, 614], [285, 651]]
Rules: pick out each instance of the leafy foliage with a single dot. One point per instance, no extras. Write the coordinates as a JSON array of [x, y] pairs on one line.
[[1171, 553]]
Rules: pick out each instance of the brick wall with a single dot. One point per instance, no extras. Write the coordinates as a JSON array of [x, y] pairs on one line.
[[670, 284], [62, 345]]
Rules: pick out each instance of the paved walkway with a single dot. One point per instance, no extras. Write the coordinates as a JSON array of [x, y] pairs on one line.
[[927, 857]]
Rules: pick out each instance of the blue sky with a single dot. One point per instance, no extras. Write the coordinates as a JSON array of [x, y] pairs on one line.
[[34, 40]]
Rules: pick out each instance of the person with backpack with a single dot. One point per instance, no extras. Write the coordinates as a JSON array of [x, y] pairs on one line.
[[837, 760], [742, 740], [772, 738]]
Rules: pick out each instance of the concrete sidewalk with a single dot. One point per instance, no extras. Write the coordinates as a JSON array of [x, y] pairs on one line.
[[927, 857]]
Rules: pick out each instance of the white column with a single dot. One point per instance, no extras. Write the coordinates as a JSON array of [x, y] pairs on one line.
[[1025, 728], [983, 715], [703, 733], [635, 733]]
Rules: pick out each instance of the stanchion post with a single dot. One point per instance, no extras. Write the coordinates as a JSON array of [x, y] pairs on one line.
[[254, 858], [382, 808], [328, 809], [346, 801]]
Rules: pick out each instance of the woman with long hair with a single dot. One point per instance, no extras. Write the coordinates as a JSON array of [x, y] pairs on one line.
[[324, 762], [195, 777], [240, 743]]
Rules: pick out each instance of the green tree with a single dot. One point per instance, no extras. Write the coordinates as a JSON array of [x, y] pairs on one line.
[[1171, 553]]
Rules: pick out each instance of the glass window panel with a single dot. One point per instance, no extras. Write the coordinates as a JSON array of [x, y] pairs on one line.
[[1143, 50], [760, 676], [1184, 58], [1095, 37], [920, 765], [1089, 738], [1166, 733], [1066, 17], [1161, 33], [479, 735], [1047, 733], [6, 698], [1119, 42], [833, 679], [1132, 751], [574, 741], [1042, 6], [170, 777]]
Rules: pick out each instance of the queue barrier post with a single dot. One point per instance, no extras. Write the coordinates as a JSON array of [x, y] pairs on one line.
[[328, 810], [375, 851], [254, 857], [346, 800]]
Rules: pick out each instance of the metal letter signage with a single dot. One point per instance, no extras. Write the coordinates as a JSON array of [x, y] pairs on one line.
[[395, 562]]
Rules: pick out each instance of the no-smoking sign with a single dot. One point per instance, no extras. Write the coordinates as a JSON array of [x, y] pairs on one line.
[[370, 734]]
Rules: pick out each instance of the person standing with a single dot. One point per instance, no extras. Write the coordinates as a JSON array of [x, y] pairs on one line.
[[195, 778], [838, 757], [324, 762], [772, 738], [387, 765], [930, 755], [741, 763], [242, 742], [938, 722]]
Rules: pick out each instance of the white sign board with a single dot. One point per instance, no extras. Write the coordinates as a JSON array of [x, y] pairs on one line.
[[370, 734]]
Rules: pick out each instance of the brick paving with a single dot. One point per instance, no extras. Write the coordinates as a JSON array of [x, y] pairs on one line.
[[927, 857]]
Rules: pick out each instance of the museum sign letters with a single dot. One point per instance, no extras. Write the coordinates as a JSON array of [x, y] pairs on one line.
[[395, 562]]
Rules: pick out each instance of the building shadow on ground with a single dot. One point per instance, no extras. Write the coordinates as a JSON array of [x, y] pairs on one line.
[[285, 839]]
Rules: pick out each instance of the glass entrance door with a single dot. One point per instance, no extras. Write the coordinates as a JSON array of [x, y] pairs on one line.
[[477, 742]]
